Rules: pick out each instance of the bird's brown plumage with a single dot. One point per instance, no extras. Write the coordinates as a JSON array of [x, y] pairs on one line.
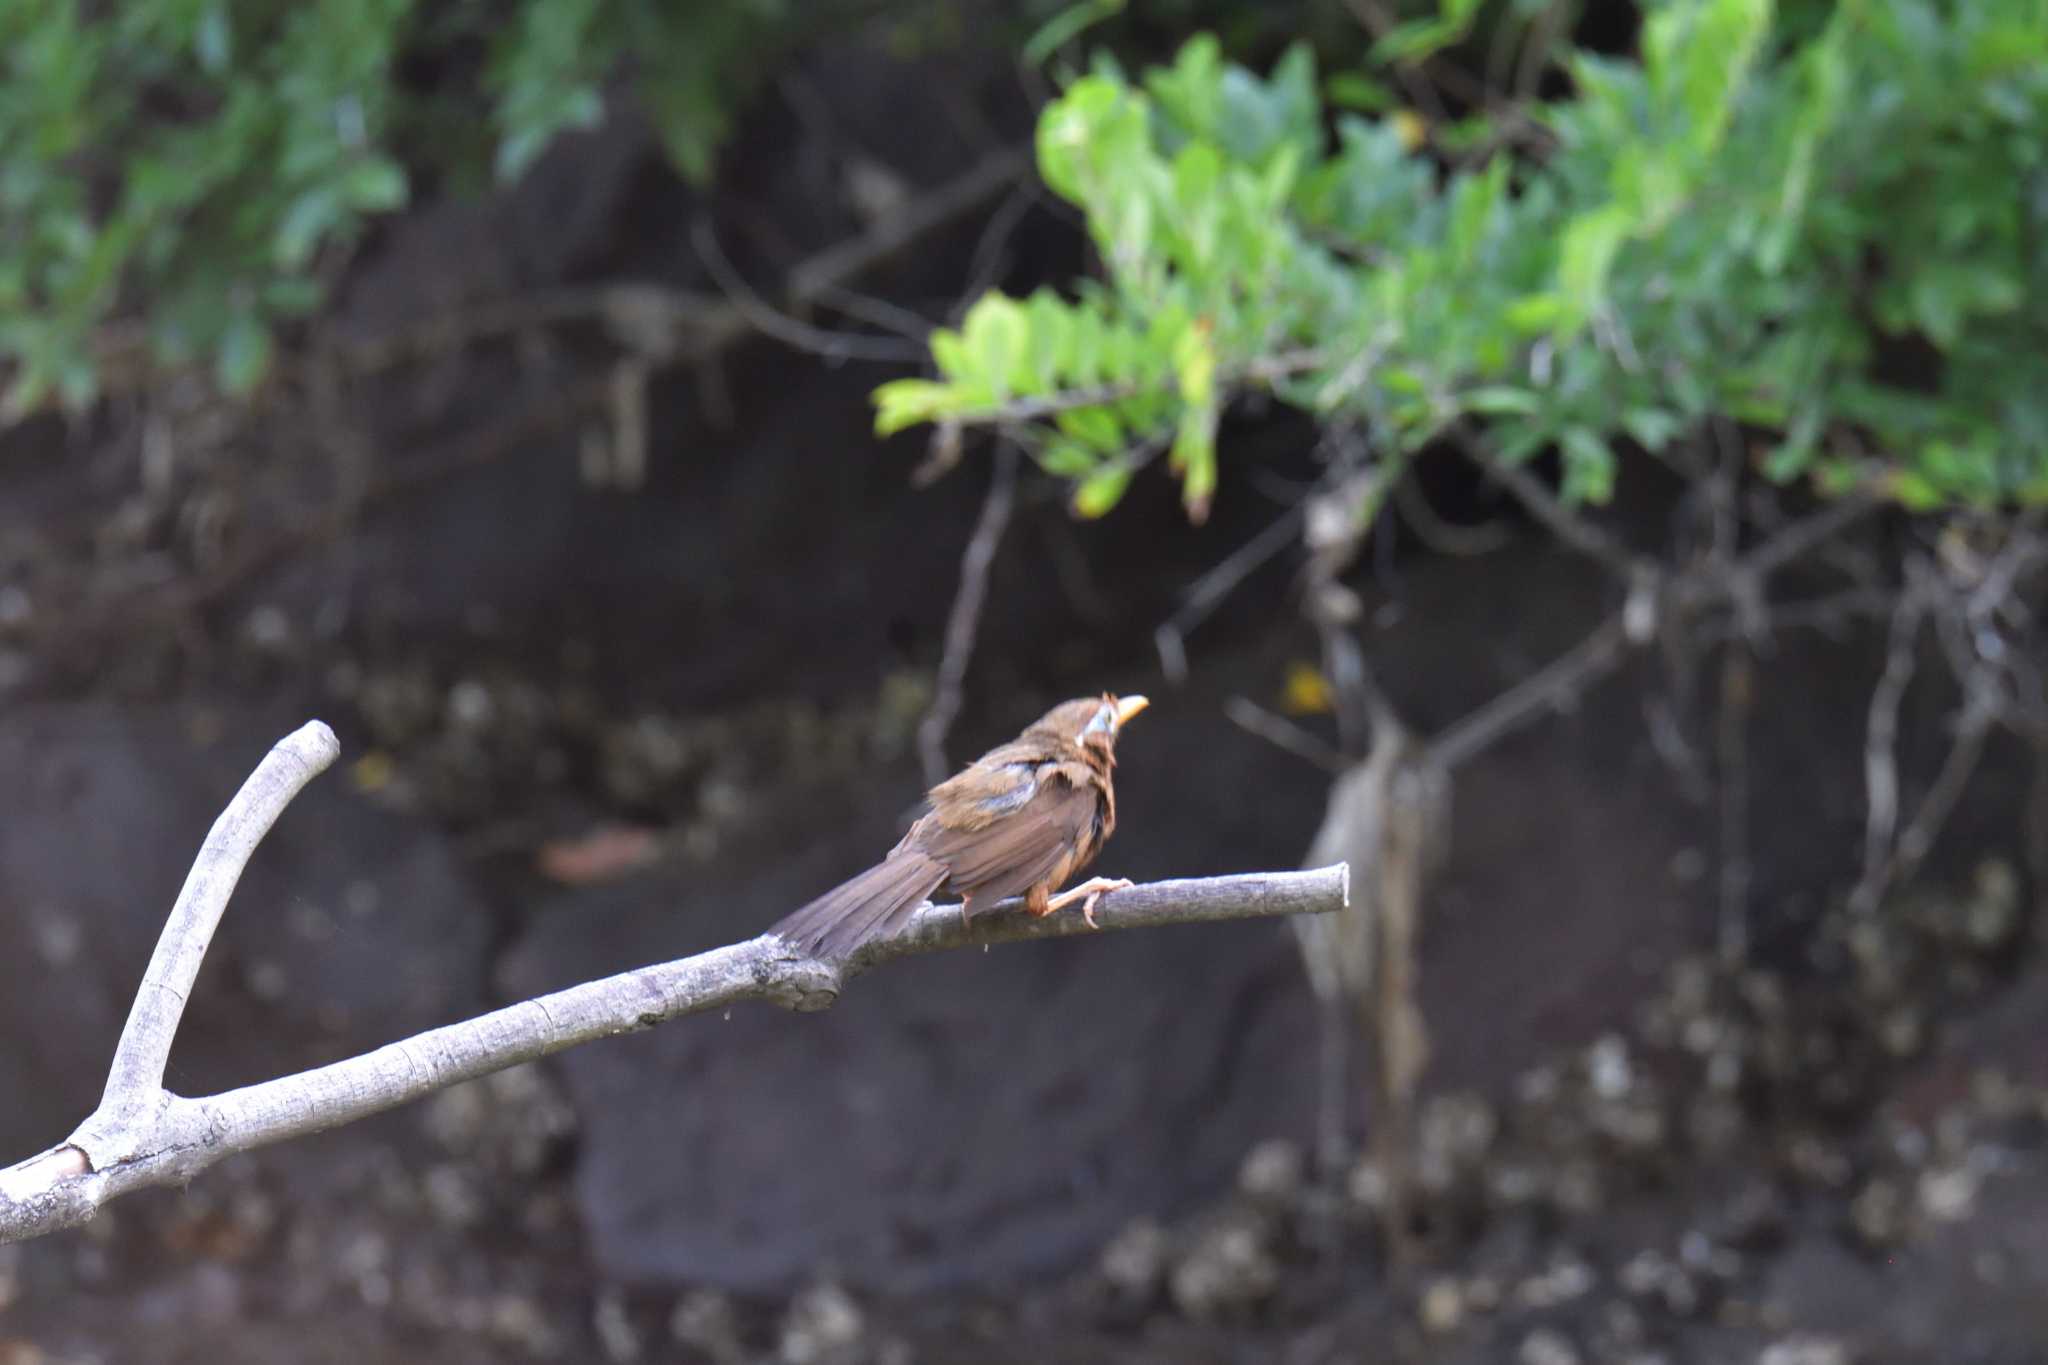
[[1019, 820]]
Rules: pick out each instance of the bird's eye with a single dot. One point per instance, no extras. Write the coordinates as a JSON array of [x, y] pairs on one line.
[[1103, 722]]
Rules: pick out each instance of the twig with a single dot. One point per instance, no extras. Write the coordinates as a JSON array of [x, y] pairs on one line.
[[1724, 488], [657, 322], [168, 1139], [1218, 582], [2034, 822], [649, 317], [1829, 614], [1573, 529], [1972, 728], [964, 620], [1880, 747], [986, 266], [1284, 734], [1363, 707], [1547, 689], [1442, 536], [921, 216], [642, 315], [784, 328], [1801, 536], [1535, 55], [890, 317], [1738, 683]]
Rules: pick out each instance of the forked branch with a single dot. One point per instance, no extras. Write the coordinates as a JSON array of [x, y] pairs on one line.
[[142, 1135]]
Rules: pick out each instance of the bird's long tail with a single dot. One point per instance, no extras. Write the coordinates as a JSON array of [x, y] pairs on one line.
[[868, 906]]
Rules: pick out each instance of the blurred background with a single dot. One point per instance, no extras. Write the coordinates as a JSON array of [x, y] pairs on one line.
[[1580, 462]]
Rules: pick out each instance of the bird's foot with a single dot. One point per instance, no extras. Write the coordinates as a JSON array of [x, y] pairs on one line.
[[1089, 892]]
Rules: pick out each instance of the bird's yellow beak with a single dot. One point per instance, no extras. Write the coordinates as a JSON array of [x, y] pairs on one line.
[[1126, 707]]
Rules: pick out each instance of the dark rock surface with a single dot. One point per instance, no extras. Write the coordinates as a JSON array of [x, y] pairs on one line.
[[976, 1119], [350, 928]]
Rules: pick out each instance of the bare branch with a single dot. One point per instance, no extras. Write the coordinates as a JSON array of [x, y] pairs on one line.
[[1363, 707], [876, 312], [158, 1138], [767, 320], [1566, 524], [1880, 747], [1206, 593], [1535, 56], [1738, 688], [965, 619], [1446, 538], [1831, 614], [1550, 688], [1802, 536], [1283, 734], [1972, 728], [136, 1078], [919, 217]]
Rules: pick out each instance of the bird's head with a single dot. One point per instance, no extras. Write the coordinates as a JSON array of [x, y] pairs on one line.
[[1090, 722]]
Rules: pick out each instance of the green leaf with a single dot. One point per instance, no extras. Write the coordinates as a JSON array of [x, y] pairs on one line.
[[1534, 313], [1652, 428], [1194, 454], [1066, 459], [1096, 427], [1419, 38], [1475, 202], [1588, 465], [304, 225], [1587, 254], [1793, 455], [1050, 327], [1823, 70], [580, 108], [949, 353], [375, 185], [1915, 491], [1697, 56], [213, 40], [1401, 379], [1494, 400], [292, 296], [1101, 491], [904, 403], [996, 339], [1194, 366], [1089, 135], [1065, 26], [244, 355], [1350, 90]]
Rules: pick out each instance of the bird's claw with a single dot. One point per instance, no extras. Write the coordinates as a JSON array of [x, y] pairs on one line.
[[1089, 892]]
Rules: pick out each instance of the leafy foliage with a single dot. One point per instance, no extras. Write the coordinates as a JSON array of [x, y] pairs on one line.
[[199, 165], [1746, 222]]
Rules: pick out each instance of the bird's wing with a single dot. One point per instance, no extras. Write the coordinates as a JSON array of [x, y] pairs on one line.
[[996, 784], [1000, 838]]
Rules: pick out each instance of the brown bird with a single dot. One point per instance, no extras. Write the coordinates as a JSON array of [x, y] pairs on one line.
[[1023, 817]]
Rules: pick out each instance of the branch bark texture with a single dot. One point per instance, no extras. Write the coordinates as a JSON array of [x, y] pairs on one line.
[[142, 1135]]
